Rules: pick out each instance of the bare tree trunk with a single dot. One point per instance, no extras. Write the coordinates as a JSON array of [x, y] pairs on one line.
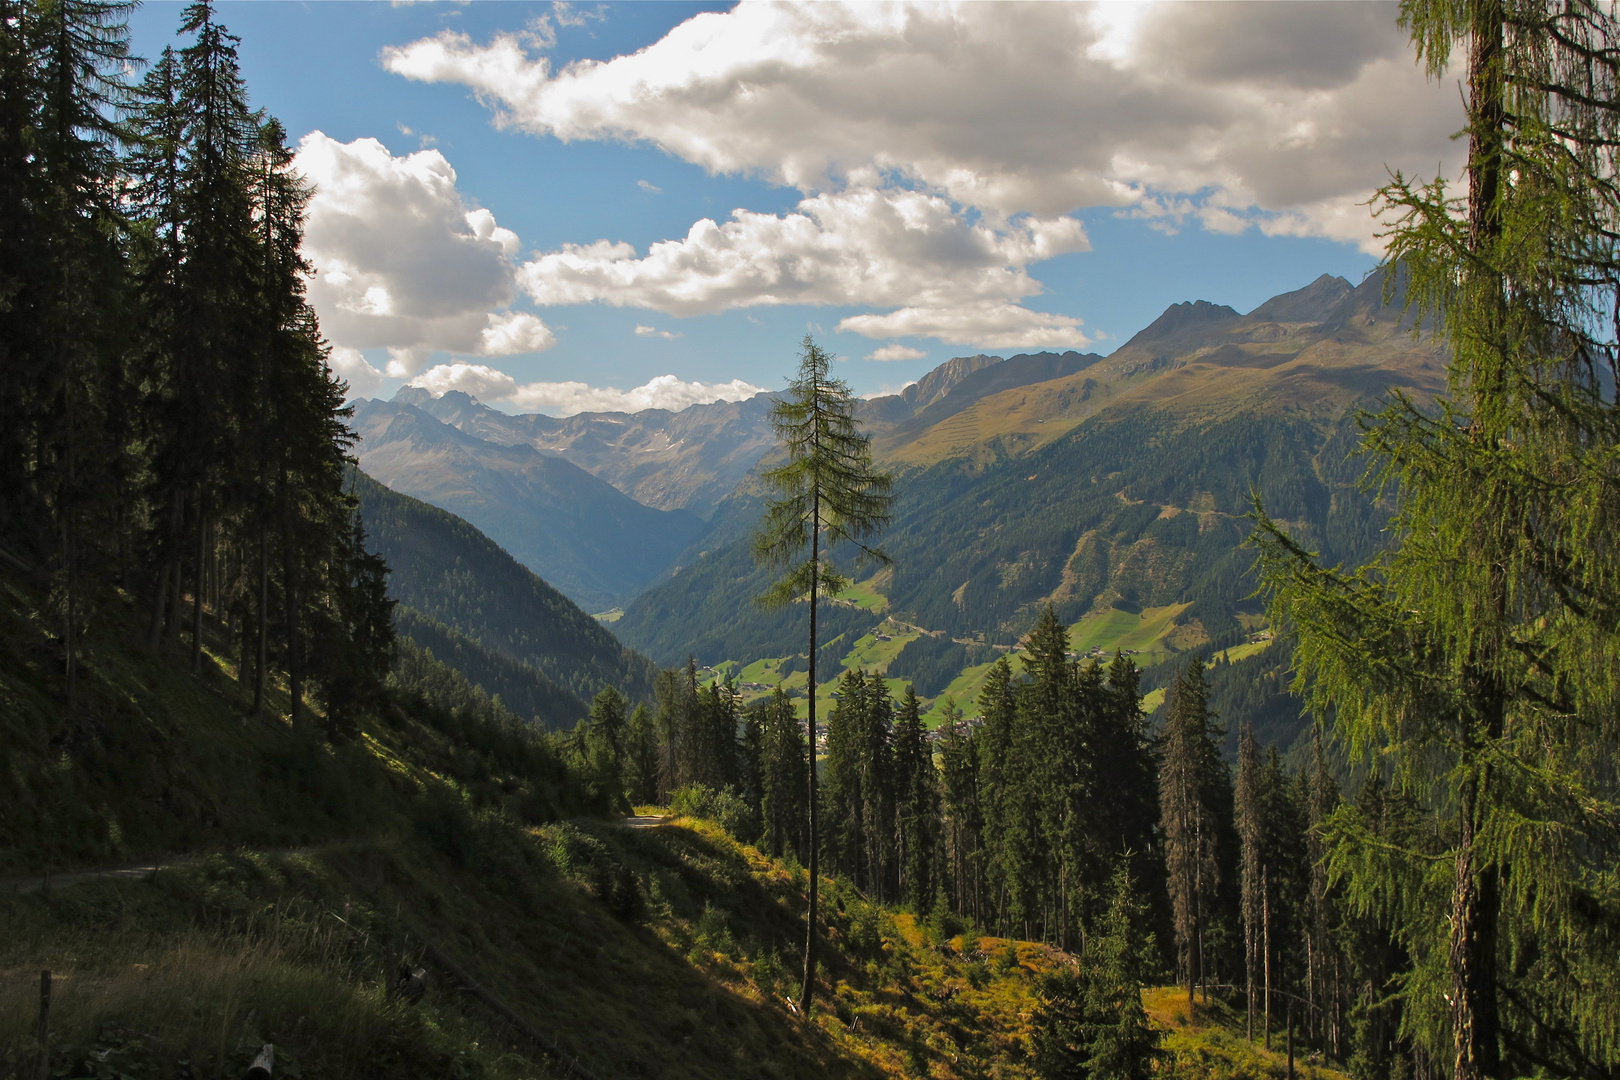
[[176, 596], [154, 629], [263, 614], [289, 575], [806, 995], [1474, 1017], [1265, 924], [69, 630], [197, 590]]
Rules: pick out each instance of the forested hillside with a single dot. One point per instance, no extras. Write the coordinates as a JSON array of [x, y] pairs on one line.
[[1117, 485], [460, 595]]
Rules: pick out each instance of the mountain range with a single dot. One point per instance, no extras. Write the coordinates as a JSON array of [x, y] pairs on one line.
[[1096, 484], [597, 545]]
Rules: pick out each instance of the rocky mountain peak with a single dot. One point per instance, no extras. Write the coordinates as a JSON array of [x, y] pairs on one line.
[[940, 381], [1312, 304]]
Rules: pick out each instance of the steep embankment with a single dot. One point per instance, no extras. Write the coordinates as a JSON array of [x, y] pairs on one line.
[[489, 617], [299, 887]]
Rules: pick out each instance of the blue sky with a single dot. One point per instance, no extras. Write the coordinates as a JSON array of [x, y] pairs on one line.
[[919, 183]]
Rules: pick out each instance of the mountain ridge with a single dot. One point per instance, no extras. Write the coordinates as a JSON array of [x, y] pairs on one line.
[[516, 635], [581, 534]]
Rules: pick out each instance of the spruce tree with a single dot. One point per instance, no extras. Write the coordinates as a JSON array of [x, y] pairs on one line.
[[606, 747], [963, 821], [917, 789], [1091, 1024], [641, 765], [1189, 800], [827, 492], [783, 780], [69, 375], [1251, 835]]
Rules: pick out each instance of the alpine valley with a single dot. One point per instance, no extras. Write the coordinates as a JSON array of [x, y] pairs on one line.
[[1116, 489]]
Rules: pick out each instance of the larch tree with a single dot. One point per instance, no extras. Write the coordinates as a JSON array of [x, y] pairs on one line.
[[827, 492], [1476, 659]]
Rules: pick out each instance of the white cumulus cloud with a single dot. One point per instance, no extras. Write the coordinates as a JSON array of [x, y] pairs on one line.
[[653, 331], [479, 380], [402, 261], [567, 398], [515, 332], [896, 352], [988, 326], [1278, 115], [862, 246]]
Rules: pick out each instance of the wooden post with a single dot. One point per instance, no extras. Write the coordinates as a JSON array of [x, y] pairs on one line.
[[264, 1064], [1290, 1037], [44, 1025]]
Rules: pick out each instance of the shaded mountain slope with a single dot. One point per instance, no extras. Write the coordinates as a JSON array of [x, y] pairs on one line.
[[482, 612], [586, 538], [688, 460]]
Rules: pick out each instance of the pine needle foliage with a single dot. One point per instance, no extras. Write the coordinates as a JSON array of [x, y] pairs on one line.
[[828, 491], [1474, 664]]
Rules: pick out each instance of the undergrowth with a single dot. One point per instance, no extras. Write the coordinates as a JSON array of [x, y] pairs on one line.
[[301, 880]]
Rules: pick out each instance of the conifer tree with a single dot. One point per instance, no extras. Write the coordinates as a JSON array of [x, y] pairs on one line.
[[605, 747], [783, 782], [1052, 749], [844, 797], [1250, 830], [1475, 660], [917, 790], [1124, 753], [998, 798], [69, 375], [963, 822], [1189, 800], [828, 492], [642, 756], [751, 764], [1091, 1024]]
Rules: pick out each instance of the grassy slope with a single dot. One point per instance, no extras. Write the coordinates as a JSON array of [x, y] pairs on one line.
[[297, 877], [1213, 1045], [1144, 633]]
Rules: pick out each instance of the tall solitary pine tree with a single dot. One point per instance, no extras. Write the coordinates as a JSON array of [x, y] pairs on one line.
[[828, 492]]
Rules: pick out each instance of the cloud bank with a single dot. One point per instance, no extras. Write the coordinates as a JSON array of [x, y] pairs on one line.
[[857, 247], [401, 260], [568, 398], [1260, 110], [941, 149]]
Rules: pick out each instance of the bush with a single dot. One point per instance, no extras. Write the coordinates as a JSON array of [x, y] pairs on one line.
[[714, 932], [586, 860], [723, 807], [865, 929]]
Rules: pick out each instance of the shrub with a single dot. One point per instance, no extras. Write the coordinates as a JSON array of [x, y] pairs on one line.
[[721, 806], [586, 860]]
